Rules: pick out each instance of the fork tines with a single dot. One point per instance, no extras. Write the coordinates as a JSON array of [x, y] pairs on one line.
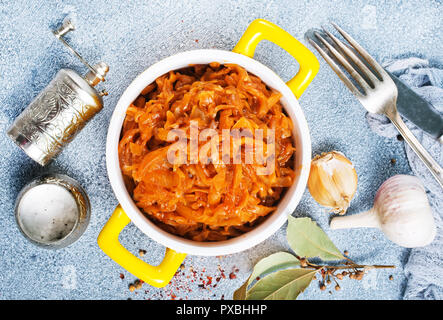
[[363, 70]]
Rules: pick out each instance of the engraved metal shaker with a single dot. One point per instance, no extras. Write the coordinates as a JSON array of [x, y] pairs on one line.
[[61, 110]]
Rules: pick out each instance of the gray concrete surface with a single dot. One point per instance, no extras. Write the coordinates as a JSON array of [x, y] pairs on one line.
[[131, 36]]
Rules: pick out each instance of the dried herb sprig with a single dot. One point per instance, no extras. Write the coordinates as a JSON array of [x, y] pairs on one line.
[[285, 276], [329, 272]]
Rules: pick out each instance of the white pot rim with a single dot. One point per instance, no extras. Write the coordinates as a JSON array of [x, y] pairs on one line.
[[286, 206]]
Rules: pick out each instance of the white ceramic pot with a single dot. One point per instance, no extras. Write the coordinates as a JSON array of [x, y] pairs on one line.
[[178, 246]]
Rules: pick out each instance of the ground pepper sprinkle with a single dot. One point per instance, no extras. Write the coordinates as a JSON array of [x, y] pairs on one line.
[[185, 281]]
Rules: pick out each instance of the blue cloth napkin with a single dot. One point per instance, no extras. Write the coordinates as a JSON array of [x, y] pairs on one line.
[[424, 268]]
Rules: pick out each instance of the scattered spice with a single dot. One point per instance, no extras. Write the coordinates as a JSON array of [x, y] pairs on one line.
[[141, 252], [138, 284], [391, 277], [222, 272], [393, 161], [122, 276], [185, 281]]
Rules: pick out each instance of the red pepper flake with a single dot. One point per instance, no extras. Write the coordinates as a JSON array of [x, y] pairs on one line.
[[258, 278], [122, 276], [222, 272], [196, 40], [185, 281]]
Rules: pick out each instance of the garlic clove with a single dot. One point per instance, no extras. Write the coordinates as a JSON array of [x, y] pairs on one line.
[[332, 181]]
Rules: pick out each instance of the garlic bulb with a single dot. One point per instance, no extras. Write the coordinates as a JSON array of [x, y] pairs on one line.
[[401, 210], [332, 181]]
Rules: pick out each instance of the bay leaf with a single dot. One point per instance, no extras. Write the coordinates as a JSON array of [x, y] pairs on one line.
[[240, 293], [282, 285], [271, 263], [308, 240]]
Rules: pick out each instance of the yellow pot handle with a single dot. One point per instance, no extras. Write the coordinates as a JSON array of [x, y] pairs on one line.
[[260, 30], [157, 276]]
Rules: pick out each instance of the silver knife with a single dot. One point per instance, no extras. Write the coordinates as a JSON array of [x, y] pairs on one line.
[[409, 104], [418, 110]]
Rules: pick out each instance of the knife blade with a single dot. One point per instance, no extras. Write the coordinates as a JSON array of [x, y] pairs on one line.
[[418, 110], [409, 104]]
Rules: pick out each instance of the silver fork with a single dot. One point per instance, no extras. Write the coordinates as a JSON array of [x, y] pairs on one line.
[[377, 93]]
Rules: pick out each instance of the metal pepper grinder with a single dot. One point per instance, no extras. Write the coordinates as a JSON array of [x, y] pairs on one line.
[[61, 110]]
